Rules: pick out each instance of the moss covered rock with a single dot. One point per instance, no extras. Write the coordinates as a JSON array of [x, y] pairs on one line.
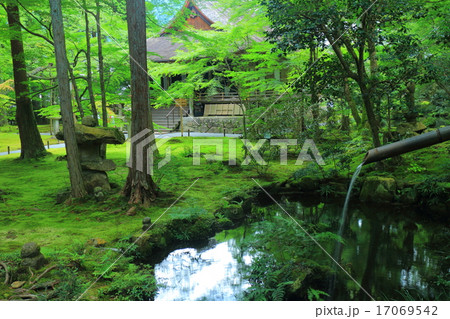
[[378, 189], [308, 184]]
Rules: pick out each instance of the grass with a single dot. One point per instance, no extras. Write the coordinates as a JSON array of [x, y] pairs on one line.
[[9, 136], [28, 211]]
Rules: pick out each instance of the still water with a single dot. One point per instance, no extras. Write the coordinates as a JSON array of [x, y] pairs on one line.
[[211, 273], [394, 253]]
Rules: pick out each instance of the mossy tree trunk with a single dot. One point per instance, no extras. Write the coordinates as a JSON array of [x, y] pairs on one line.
[[30, 139], [62, 68], [139, 186]]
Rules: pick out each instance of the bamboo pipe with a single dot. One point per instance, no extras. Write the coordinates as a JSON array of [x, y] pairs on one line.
[[407, 145]]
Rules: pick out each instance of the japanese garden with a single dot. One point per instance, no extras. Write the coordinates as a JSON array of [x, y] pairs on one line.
[[257, 150]]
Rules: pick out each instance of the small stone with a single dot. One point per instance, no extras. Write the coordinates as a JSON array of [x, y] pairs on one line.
[[132, 211], [97, 242], [98, 189], [146, 223], [88, 121], [17, 284], [30, 250], [34, 262], [11, 234]]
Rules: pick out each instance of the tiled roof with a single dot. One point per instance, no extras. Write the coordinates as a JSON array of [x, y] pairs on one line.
[[163, 49]]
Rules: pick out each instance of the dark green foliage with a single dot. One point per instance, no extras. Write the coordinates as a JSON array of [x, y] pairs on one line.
[[431, 191], [267, 278], [326, 190], [191, 223], [136, 283], [280, 274], [310, 170], [70, 286]]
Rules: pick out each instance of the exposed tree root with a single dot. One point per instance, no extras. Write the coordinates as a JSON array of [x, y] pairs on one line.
[[141, 190], [6, 272], [24, 297], [45, 285], [31, 273], [43, 274]]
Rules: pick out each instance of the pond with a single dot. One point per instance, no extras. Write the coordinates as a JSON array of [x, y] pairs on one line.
[[210, 273], [394, 253]]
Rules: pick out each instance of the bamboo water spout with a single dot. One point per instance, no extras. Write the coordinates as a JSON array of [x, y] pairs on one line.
[[407, 145]]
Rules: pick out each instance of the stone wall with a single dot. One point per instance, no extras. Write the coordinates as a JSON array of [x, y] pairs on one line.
[[213, 124]]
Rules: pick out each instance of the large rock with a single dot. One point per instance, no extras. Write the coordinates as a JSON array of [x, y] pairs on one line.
[[411, 128], [307, 184], [104, 165], [88, 121], [30, 250], [378, 189], [34, 262], [93, 179], [97, 135], [32, 256]]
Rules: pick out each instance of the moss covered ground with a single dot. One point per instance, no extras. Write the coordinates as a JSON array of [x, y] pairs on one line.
[[29, 190], [29, 212]]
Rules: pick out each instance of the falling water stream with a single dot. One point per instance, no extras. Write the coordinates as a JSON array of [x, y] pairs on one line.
[[339, 246], [347, 198]]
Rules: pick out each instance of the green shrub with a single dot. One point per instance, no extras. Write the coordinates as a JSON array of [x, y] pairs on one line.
[[137, 284], [70, 286]]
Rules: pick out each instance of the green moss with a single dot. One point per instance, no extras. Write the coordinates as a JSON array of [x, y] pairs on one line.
[[29, 189]]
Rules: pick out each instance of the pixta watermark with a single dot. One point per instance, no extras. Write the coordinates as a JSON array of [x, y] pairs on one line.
[[146, 143]]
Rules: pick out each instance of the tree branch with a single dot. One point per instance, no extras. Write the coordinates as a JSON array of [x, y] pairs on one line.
[[75, 59], [36, 34], [40, 69], [39, 21]]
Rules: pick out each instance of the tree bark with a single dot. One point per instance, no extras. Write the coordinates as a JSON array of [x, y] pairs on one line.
[[30, 139], [351, 102], [371, 118], [89, 68], [73, 158], [361, 78], [76, 93], [101, 68], [139, 186], [314, 95], [410, 101]]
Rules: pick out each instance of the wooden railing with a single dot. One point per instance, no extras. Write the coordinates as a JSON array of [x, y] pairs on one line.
[[229, 97]]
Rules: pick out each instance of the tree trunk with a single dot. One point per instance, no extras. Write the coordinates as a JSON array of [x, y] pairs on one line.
[[139, 186], [73, 158], [314, 95], [101, 68], [76, 94], [368, 105], [89, 68], [351, 102], [30, 140], [411, 114]]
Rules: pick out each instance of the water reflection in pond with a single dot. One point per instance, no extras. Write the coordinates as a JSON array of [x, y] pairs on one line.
[[393, 255], [210, 274]]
